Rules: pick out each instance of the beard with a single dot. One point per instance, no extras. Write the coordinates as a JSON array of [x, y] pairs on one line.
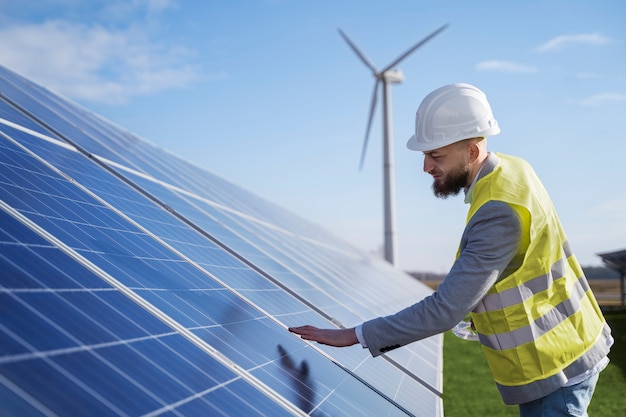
[[454, 182]]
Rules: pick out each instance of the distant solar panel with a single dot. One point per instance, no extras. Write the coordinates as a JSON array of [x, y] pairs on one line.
[[134, 283]]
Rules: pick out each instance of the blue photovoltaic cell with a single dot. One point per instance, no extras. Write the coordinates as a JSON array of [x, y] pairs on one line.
[[124, 267]]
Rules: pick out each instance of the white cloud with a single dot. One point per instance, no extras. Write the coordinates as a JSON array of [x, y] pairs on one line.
[[563, 41], [602, 98], [504, 66], [92, 62]]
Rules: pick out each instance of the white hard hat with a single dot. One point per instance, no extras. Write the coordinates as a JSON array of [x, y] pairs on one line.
[[450, 114]]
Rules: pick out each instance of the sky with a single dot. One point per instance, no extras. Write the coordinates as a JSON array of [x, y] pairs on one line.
[[268, 95]]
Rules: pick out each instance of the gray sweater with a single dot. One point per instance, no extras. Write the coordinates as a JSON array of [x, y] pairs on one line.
[[488, 252]]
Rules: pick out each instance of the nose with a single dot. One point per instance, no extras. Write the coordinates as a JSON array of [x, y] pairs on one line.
[[428, 165]]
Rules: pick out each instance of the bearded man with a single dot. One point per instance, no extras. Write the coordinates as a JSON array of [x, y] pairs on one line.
[[538, 322]]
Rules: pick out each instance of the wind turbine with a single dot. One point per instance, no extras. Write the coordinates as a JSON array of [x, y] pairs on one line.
[[386, 77]]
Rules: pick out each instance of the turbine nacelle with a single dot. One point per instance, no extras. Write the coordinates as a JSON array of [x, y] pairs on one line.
[[392, 76]]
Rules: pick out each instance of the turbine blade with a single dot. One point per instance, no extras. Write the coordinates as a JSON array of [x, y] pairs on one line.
[[369, 123], [413, 48], [356, 50]]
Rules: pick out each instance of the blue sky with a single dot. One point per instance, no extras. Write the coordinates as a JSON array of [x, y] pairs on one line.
[[266, 94]]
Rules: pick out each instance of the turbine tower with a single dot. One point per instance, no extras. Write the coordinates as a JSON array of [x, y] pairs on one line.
[[386, 77]]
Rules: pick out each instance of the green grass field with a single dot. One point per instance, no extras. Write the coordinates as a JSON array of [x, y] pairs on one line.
[[469, 389]]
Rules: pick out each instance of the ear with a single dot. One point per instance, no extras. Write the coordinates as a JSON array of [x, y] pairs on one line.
[[474, 151]]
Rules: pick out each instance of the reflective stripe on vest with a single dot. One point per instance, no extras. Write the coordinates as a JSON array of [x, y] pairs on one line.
[[535, 322], [537, 328], [524, 291]]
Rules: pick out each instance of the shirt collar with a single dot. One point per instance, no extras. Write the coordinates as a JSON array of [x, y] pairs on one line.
[[468, 191], [490, 163]]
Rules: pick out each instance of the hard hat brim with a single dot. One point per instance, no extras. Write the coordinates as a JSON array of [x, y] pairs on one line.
[[414, 145]]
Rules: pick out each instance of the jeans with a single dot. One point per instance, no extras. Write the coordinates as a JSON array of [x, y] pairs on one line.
[[566, 401]]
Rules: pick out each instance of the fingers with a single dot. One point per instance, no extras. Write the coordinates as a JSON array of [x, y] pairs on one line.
[[306, 332], [301, 329], [331, 337]]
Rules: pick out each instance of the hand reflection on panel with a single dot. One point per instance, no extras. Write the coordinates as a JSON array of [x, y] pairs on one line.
[[299, 376]]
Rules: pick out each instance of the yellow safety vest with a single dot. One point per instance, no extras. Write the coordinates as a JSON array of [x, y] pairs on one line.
[[537, 321]]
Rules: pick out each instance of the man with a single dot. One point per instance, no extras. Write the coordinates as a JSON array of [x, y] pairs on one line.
[[539, 325]]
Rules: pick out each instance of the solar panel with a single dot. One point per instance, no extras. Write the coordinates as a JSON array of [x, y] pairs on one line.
[[135, 283]]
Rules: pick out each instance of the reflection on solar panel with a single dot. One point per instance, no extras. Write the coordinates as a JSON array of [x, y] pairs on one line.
[[134, 283]]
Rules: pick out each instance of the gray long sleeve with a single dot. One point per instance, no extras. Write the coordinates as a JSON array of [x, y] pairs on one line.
[[489, 246]]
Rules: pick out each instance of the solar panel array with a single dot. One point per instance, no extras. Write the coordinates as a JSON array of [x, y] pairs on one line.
[[135, 283]]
